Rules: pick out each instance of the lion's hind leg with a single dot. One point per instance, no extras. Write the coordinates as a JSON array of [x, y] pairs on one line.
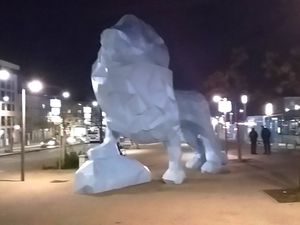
[[197, 146], [175, 173]]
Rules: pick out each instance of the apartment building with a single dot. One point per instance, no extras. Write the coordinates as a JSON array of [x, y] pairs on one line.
[[8, 95]]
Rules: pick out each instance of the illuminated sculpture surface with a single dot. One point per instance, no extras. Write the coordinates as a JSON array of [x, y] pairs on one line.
[[133, 86]]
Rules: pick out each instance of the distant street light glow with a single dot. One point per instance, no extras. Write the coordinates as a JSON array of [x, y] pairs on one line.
[[17, 127], [66, 94], [6, 98], [94, 103], [216, 98], [244, 99], [4, 74], [35, 86], [269, 109]]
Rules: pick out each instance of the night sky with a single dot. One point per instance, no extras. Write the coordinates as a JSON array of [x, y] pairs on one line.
[[58, 41]]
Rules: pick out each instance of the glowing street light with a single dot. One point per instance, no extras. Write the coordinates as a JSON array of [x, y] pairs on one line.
[[244, 99], [4, 74], [5, 98], [66, 94], [217, 98], [35, 86], [94, 103], [269, 109]]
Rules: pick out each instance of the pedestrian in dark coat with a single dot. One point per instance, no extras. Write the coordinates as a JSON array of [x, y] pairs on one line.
[[266, 135], [253, 139]]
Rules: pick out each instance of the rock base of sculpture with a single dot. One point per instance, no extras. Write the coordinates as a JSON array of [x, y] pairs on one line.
[[105, 174]]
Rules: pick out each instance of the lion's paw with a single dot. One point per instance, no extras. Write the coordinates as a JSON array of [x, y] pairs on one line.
[[211, 167], [194, 163], [174, 176]]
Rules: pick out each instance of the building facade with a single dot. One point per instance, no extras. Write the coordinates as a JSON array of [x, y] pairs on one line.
[[8, 95]]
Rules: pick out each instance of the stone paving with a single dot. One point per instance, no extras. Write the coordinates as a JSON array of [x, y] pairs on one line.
[[234, 197]]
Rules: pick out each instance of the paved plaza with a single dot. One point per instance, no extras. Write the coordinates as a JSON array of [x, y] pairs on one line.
[[237, 196]]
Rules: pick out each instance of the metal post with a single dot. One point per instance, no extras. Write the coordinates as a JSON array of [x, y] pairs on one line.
[[238, 134], [245, 125], [61, 139], [101, 125], [238, 137], [58, 136], [226, 145], [23, 134]]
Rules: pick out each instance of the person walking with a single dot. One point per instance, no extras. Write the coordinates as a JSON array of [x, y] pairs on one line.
[[253, 139], [266, 135]]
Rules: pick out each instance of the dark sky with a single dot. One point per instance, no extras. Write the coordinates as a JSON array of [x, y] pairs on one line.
[[58, 41]]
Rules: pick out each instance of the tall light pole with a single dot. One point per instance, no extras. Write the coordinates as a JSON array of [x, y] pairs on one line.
[[242, 132], [244, 100], [34, 86]]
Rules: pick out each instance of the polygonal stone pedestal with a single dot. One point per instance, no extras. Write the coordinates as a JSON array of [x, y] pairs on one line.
[[104, 174]]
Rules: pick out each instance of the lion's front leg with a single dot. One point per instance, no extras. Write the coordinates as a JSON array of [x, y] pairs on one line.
[[175, 173], [106, 169], [108, 148]]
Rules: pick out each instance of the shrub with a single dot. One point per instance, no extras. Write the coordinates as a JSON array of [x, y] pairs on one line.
[[71, 161]]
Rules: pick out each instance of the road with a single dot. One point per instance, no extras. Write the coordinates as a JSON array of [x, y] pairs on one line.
[[36, 159]]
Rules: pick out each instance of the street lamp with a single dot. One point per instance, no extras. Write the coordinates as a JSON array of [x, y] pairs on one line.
[[34, 86], [269, 109], [242, 132], [244, 100], [66, 94], [94, 103], [216, 98], [5, 98], [4, 74]]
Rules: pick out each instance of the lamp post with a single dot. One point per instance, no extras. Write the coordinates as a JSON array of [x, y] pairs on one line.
[[241, 132], [244, 100], [34, 86]]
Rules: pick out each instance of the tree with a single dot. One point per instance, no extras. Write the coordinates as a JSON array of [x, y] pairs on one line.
[[280, 73], [231, 80]]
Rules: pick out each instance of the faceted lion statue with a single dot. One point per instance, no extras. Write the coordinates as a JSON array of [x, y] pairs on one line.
[[133, 86]]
